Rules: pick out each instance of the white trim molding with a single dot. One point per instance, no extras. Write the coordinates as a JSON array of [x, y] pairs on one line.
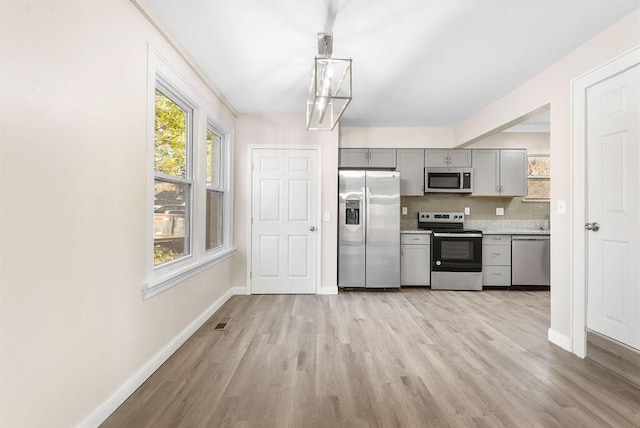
[[100, 414], [163, 284], [318, 150], [204, 117], [559, 339], [328, 290], [578, 272]]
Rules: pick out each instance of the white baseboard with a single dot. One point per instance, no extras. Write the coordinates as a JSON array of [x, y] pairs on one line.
[[118, 397], [328, 290], [559, 339], [240, 291]]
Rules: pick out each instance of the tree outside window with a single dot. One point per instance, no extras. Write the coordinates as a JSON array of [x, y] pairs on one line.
[[172, 186], [538, 177]]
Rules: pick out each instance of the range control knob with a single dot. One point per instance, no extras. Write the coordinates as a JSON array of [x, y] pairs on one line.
[[438, 263]]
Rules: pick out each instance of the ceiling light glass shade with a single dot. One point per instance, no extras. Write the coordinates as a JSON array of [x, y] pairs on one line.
[[329, 93]]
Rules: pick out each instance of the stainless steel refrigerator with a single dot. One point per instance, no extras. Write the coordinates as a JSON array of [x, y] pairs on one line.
[[369, 229]]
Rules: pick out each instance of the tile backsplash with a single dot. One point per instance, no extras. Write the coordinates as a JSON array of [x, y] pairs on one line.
[[482, 208]]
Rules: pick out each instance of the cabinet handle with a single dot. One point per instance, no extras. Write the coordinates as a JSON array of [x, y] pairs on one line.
[[497, 273], [495, 254]]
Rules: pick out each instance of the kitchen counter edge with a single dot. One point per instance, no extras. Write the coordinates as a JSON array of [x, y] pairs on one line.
[[518, 232], [490, 232]]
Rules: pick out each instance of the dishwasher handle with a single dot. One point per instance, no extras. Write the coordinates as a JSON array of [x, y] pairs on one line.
[[530, 238]]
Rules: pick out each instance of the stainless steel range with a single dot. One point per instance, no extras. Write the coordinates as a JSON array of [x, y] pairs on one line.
[[456, 253]]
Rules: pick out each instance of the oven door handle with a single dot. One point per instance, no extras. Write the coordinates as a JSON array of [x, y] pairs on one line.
[[457, 235]]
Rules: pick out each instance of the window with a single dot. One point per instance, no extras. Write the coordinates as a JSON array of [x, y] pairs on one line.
[[215, 191], [189, 181], [538, 178], [172, 181]]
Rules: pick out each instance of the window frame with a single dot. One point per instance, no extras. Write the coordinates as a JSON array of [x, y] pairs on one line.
[[185, 104], [537, 178], [222, 180], [202, 117]]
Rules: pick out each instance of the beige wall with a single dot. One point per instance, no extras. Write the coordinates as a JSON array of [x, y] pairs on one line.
[[286, 131], [538, 143], [553, 87], [73, 170], [396, 137]]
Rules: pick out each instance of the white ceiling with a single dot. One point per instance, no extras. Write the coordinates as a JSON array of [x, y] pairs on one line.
[[415, 62]]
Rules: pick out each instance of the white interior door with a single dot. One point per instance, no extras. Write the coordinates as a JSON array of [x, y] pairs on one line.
[[613, 171], [284, 228]]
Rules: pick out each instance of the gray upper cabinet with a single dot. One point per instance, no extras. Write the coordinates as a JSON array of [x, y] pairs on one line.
[[411, 167], [367, 158], [354, 158], [458, 158], [499, 172], [513, 172]]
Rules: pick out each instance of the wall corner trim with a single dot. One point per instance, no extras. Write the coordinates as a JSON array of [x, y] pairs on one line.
[[117, 397], [559, 339], [328, 290], [240, 291]]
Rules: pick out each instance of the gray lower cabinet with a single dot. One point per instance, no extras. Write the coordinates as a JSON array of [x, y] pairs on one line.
[[410, 164], [415, 259], [496, 260]]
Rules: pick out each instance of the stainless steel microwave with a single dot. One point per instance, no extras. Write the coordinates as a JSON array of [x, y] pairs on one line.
[[448, 180]]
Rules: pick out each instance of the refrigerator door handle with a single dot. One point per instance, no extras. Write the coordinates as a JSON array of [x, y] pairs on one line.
[[367, 191]]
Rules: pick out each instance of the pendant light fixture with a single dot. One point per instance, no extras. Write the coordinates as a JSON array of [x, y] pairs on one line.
[[330, 89]]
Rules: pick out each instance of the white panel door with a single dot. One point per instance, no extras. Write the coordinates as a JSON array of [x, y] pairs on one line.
[[283, 230], [613, 165]]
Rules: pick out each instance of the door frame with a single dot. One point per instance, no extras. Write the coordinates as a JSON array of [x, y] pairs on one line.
[[578, 291], [250, 150]]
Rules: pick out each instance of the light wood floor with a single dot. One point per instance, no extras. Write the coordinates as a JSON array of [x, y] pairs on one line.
[[415, 358]]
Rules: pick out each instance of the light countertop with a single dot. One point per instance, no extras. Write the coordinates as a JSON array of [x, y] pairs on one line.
[[416, 231], [491, 232], [517, 232]]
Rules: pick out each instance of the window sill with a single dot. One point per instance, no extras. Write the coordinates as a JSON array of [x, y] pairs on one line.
[[161, 283]]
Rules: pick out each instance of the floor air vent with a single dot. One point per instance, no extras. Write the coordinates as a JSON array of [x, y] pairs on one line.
[[222, 325]]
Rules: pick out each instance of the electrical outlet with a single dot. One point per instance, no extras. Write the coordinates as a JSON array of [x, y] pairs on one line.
[[404, 210], [562, 207], [467, 211], [499, 211]]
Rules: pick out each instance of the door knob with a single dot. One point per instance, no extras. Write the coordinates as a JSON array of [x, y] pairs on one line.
[[312, 228], [592, 226]]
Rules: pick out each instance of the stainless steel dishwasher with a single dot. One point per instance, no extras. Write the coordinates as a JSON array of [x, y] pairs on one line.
[[530, 260]]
